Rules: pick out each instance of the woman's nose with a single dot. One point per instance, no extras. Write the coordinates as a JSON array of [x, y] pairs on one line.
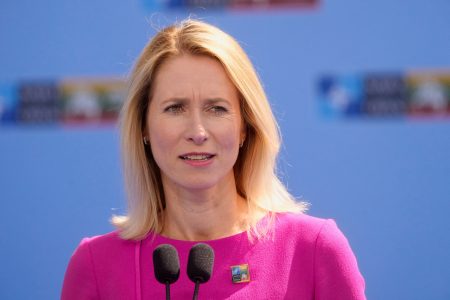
[[197, 132]]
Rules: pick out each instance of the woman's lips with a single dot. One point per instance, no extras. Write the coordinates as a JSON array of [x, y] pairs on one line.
[[197, 159], [197, 156]]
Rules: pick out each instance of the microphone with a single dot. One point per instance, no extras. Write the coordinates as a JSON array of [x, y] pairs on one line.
[[166, 265], [200, 265]]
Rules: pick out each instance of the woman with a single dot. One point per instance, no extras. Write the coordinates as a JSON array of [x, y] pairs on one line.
[[199, 144]]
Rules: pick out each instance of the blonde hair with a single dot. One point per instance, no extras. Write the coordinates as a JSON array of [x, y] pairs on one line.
[[255, 173]]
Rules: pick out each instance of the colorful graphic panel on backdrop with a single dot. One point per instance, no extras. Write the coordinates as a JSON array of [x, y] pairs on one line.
[[421, 94], [66, 102], [94, 101], [156, 5]]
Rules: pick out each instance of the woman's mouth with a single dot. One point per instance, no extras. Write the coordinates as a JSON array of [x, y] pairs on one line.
[[197, 156]]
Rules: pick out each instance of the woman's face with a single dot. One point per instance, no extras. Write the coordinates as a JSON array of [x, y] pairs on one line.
[[194, 123]]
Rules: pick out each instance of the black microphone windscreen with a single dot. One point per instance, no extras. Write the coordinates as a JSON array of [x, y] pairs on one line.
[[200, 263], [166, 264]]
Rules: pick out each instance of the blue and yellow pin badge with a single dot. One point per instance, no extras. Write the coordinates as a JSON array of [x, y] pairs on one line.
[[240, 273]]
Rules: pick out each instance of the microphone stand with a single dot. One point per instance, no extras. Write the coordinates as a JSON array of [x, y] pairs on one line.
[[197, 284], [167, 290]]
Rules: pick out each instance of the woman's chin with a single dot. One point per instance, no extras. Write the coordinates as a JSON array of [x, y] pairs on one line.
[[199, 186]]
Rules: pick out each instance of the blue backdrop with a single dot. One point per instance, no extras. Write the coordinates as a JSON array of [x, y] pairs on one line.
[[385, 181]]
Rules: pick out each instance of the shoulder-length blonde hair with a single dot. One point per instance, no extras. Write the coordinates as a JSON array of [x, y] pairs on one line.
[[255, 173]]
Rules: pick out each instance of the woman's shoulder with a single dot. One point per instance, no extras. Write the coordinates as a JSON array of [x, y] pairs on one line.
[[110, 240], [300, 221], [105, 246], [307, 228], [94, 261], [334, 261]]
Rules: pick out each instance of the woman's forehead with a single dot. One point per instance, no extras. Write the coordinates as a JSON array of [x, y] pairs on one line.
[[183, 75]]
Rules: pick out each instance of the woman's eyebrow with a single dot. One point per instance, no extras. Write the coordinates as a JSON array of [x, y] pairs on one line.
[[210, 101], [178, 100], [182, 100]]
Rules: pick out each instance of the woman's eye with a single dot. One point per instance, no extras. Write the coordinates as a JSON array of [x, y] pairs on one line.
[[218, 109], [175, 108]]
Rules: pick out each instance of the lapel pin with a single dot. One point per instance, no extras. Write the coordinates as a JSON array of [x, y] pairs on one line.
[[240, 273]]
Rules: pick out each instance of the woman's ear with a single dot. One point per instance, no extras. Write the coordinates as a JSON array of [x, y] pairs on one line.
[[243, 134], [145, 138]]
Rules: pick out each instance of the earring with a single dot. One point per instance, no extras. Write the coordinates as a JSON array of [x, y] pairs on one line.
[[145, 140], [241, 144]]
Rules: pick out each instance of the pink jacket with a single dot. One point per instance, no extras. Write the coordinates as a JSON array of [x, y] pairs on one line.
[[306, 258]]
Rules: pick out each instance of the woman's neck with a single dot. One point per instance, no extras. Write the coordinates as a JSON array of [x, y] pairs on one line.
[[203, 214]]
